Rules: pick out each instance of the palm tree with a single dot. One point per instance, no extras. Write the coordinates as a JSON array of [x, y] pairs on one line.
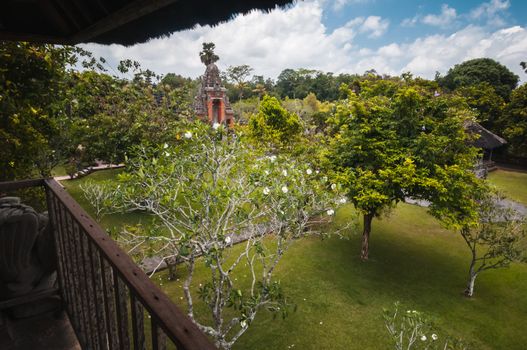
[[207, 55]]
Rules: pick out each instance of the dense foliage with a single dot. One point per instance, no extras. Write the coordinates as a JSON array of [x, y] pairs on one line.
[[514, 122], [381, 140], [406, 142], [481, 70], [273, 125], [32, 92]]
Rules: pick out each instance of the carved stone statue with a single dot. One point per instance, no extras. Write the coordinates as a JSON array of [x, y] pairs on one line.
[[27, 255]]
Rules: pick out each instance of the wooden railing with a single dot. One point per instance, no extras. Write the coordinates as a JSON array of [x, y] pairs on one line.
[[111, 302]]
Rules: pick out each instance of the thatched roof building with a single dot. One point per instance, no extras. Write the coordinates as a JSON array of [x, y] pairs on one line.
[[486, 140], [125, 22]]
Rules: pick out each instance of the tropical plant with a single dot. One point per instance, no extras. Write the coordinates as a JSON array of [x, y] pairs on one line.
[[209, 191]]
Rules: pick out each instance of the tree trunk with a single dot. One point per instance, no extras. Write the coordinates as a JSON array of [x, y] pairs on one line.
[[469, 292], [366, 236], [172, 269]]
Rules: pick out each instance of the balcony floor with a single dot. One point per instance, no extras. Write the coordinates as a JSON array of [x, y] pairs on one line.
[[46, 331]]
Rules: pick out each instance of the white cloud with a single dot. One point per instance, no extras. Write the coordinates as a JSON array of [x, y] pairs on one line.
[[374, 26], [426, 55], [410, 22], [340, 4], [434, 53], [492, 12], [284, 38], [489, 9], [296, 37], [446, 17]]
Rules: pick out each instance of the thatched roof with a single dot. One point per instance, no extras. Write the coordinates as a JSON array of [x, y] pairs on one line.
[[486, 139], [114, 21]]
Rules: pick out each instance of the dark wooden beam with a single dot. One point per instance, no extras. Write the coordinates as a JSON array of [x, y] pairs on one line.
[[102, 6], [50, 11], [7, 186], [83, 10], [128, 13], [65, 8]]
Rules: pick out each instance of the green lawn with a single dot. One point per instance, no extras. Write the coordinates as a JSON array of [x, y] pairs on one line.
[[514, 184], [111, 222], [59, 170], [413, 260]]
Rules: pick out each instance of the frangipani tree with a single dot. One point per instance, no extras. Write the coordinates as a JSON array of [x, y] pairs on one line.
[[496, 241], [493, 231], [209, 191]]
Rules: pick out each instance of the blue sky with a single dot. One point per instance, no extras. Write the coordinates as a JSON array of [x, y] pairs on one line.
[[349, 36], [509, 13]]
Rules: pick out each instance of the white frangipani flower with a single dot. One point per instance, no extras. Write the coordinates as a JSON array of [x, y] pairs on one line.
[[266, 191], [165, 146], [228, 240], [423, 337], [333, 187], [266, 172], [309, 171], [284, 172], [188, 135], [215, 126], [330, 212], [167, 154], [434, 336], [342, 200], [317, 171], [285, 189]]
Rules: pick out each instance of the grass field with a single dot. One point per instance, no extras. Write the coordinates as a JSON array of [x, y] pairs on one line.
[[111, 222], [412, 260], [513, 184]]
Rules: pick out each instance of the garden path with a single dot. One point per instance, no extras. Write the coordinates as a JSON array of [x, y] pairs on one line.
[[503, 203]]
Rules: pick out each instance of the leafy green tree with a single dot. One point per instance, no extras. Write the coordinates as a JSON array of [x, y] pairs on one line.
[[274, 125], [514, 122], [176, 81], [480, 70], [207, 55], [489, 105], [32, 84], [244, 109], [261, 86], [238, 75], [109, 115], [386, 148]]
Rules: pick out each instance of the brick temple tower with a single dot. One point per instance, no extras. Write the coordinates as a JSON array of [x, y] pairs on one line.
[[211, 103]]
